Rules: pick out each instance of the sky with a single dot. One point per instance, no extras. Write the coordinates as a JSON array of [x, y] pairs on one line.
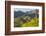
[[23, 9]]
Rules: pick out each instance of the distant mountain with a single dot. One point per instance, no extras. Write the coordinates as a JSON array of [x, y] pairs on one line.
[[28, 13], [18, 13]]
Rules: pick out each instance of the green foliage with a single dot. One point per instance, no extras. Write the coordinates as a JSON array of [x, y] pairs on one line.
[[32, 23], [17, 22]]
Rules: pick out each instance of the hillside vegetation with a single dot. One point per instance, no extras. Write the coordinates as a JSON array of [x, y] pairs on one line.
[[28, 23], [26, 18]]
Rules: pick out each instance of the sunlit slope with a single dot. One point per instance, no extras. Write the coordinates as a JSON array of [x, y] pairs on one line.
[[32, 23]]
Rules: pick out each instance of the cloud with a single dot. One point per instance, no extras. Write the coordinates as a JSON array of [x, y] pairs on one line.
[[23, 9]]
